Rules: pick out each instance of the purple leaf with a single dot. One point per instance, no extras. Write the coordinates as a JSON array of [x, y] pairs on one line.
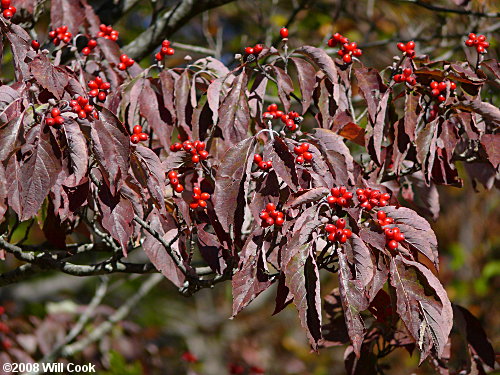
[[111, 147], [285, 87], [489, 112], [322, 60], [52, 78], [156, 252], [306, 196], [67, 12], [353, 301], [229, 181], [307, 81], [9, 135], [234, 114], [284, 163], [78, 153], [182, 87], [117, 216], [359, 255], [422, 304], [21, 49], [250, 279], [38, 172], [149, 171], [491, 143]]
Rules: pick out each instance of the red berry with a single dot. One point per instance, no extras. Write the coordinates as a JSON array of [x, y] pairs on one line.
[[453, 85], [401, 46], [205, 196], [101, 96], [172, 174], [197, 190], [392, 245], [122, 66], [435, 92], [158, 56], [279, 221], [270, 221], [270, 207], [264, 215], [347, 232], [143, 136], [434, 85], [7, 13], [347, 59], [193, 205], [135, 138], [472, 36], [195, 158], [137, 129], [299, 159], [59, 120], [469, 42], [307, 156], [381, 215], [170, 51], [179, 188], [203, 154], [55, 112], [340, 223], [272, 107], [263, 165], [50, 121], [258, 48], [342, 202], [257, 158], [86, 51], [202, 203], [410, 45], [330, 228], [249, 51], [442, 86], [331, 200], [284, 32], [398, 237], [35, 45], [407, 71], [441, 98], [82, 114]]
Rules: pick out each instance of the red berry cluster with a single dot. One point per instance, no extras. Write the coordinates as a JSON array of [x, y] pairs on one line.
[[263, 165], [303, 155], [272, 112], [165, 50], [174, 181], [125, 62], [370, 198], [393, 237], [200, 198], [291, 120], [196, 149], [255, 50], [405, 77], [408, 48], [438, 87], [60, 34], [348, 49], [138, 135], [383, 219], [284, 32], [8, 10], [82, 108], [91, 44], [271, 216], [98, 88], [340, 196], [338, 232], [107, 32], [56, 118], [478, 41], [35, 44]]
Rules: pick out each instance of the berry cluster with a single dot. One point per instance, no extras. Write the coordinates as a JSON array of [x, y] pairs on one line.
[[82, 108], [8, 10], [272, 112], [292, 120], [60, 34], [91, 44], [199, 198], [174, 181], [393, 237], [303, 155], [196, 149], [405, 77], [125, 62], [255, 50], [56, 118], [340, 196], [107, 32], [98, 88], [263, 165], [271, 216], [138, 135], [348, 49], [478, 41], [338, 232], [383, 219], [372, 198], [35, 44], [438, 87], [408, 49], [284, 32], [165, 50]]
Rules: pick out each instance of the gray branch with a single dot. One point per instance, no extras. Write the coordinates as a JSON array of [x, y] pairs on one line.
[[167, 24]]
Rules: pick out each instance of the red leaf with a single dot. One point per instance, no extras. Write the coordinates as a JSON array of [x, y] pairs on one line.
[[283, 163], [322, 60], [67, 12], [285, 87], [78, 153], [491, 143], [54, 79]]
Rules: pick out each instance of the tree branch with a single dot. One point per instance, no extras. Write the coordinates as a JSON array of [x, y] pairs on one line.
[[451, 10], [167, 24]]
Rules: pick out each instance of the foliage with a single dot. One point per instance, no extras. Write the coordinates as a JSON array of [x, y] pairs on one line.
[[93, 188]]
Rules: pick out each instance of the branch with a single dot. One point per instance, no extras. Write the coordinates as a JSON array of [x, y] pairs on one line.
[[167, 24], [451, 10], [105, 327]]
